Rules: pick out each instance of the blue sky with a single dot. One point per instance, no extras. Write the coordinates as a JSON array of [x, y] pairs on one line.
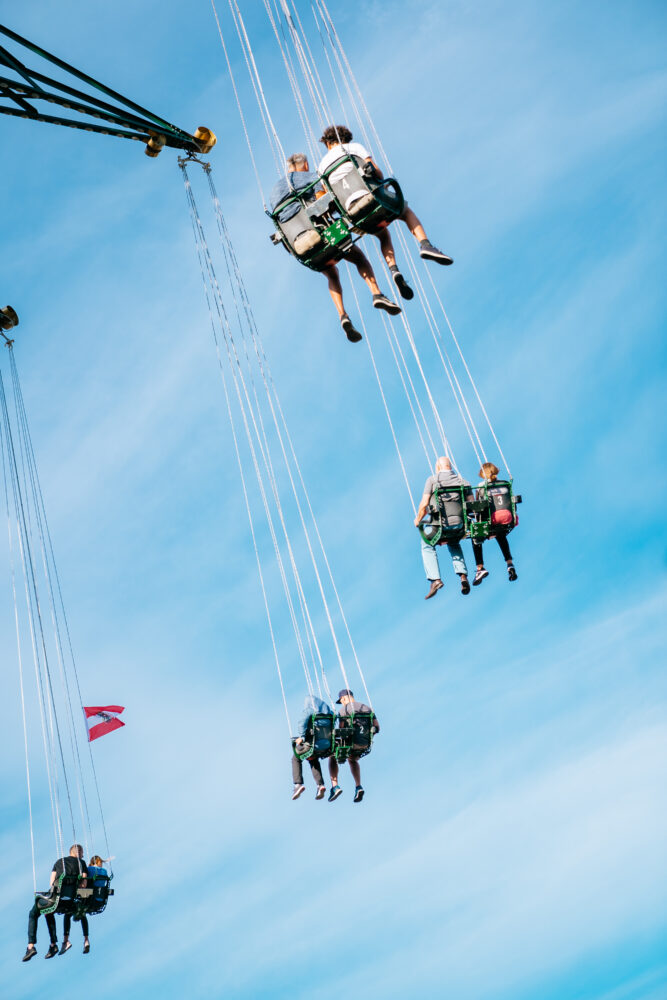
[[511, 843]]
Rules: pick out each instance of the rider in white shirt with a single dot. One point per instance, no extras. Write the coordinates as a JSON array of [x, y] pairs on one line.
[[338, 140]]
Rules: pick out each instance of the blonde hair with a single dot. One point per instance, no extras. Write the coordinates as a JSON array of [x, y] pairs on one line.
[[296, 158], [489, 471], [96, 861]]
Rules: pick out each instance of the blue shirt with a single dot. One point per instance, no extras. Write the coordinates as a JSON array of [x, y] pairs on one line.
[[284, 187], [98, 875]]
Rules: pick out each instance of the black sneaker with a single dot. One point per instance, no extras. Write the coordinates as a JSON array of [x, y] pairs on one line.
[[428, 252], [511, 572], [382, 302], [351, 333], [480, 575], [335, 792], [465, 586], [30, 952], [358, 794], [403, 287], [53, 950], [65, 946]]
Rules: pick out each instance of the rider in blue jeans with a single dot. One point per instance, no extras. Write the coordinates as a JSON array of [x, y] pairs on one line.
[[444, 476]]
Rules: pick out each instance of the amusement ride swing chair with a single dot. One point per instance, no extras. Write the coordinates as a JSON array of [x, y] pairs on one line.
[[71, 894], [319, 229], [352, 736], [478, 513]]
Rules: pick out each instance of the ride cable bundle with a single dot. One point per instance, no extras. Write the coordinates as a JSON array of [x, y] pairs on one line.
[[54, 704]]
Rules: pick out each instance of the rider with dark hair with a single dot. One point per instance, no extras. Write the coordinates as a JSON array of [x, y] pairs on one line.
[[298, 176], [338, 140], [348, 707], [71, 865]]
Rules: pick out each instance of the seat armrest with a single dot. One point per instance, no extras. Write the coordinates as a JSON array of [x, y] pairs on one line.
[[320, 207]]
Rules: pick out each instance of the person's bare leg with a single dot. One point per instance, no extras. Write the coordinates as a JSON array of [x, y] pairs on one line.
[[387, 247], [356, 770], [364, 268], [335, 288], [336, 790], [426, 249], [336, 293], [414, 225]]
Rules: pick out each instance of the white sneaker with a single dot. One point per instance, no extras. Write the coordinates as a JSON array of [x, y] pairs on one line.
[[298, 790], [321, 791]]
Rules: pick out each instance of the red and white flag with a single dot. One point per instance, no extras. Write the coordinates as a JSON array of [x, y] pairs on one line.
[[102, 719]]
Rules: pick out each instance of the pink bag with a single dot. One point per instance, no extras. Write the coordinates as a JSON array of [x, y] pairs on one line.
[[501, 517]]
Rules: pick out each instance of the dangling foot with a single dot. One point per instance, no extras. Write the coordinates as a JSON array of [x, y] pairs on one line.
[[336, 790], [465, 584], [351, 333], [65, 946], [382, 302], [298, 790], [53, 950], [435, 587], [428, 252], [86, 947], [403, 287], [511, 572], [479, 576], [30, 952], [358, 794], [319, 794]]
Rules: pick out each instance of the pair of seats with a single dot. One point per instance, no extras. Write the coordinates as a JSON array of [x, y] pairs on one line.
[[319, 229], [342, 737], [69, 896], [458, 512]]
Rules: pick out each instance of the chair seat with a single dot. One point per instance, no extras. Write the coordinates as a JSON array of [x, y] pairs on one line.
[[307, 241], [359, 202]]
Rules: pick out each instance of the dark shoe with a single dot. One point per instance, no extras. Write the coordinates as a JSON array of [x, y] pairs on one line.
[[435, 587], [358, 794], [335, 792], [480, 575], [465, 585], [351, 333], [319, 794], [511, 572], [428, 252], [382, 302], [403, 287], [65, 946], [53, 950], [298, 790], [86, 948], [30, 952]]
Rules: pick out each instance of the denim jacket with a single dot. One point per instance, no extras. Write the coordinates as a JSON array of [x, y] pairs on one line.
[[311, 706]]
